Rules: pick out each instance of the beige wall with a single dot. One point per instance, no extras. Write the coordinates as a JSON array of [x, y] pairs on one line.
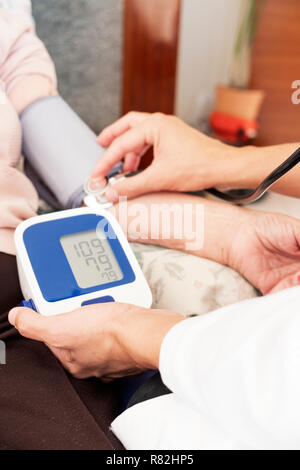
[[208, 31]]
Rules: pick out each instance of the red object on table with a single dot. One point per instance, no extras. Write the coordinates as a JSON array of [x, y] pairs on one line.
[[233, 129]]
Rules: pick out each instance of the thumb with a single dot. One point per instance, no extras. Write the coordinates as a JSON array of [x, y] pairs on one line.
[[29, 323], [133, 186]]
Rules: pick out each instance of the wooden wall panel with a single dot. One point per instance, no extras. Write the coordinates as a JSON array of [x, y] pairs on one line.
[[276, 64], [151, 30], [150, 54]]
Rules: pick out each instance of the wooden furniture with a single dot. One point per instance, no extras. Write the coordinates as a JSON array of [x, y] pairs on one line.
[[150, 56], [275, 65], [151, 31]]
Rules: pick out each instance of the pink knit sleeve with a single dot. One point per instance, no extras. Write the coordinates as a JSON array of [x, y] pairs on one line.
[[21, 54], [18, 201], [21, 51]]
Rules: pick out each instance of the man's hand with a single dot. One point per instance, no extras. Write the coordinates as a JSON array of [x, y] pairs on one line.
[[184, 159], [104, 340]]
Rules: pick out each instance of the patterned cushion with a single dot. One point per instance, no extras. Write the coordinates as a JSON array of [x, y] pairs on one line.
[[188, 284]]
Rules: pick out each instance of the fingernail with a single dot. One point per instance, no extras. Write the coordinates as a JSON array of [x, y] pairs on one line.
[[112, 195], [97, 184], [12, 316]]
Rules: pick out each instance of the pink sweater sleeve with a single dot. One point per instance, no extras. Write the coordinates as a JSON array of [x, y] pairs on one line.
[[18, 201], [21, 51], [18, 198], [21, 54]]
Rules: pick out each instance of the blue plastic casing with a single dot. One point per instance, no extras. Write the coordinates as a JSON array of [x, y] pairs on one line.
[[29, 304], [50, 265], [100, 300]]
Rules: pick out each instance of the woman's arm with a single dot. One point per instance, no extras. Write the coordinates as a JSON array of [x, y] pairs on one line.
[[26, 68], [183, 222], [30, 89], [263, 247]]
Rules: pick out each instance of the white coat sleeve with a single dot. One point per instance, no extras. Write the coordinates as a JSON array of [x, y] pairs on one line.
[[240, 365]]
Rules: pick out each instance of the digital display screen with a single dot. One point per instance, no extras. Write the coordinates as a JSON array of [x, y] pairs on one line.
[[91, 258]]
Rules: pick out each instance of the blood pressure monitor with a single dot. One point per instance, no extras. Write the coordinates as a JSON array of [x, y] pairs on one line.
[[74, 258]]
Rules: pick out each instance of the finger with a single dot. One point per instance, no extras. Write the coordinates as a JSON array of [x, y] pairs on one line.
[[30, 324], [96, 184], [53, 330], [131, 162], [134, 186], [132, 159], [133, 140], [118, 128]]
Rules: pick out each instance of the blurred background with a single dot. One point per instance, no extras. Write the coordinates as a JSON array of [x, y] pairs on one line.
[[225, 66]]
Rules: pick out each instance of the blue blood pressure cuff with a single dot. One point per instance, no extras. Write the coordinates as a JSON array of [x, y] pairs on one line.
[[60, 151]]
